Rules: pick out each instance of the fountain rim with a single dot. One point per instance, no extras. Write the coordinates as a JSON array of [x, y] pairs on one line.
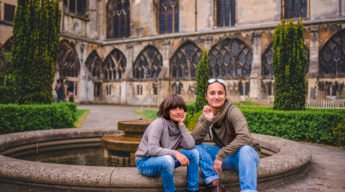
[[274, 167]]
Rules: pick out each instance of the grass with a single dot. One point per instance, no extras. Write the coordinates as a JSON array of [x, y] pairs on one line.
[[81, 115], [149, 114]]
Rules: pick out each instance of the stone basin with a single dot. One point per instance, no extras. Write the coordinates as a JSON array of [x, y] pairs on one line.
[[289, 159]]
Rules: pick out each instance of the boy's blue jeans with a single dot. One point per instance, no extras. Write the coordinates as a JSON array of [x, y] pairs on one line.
[[244, 161], [165, 165]]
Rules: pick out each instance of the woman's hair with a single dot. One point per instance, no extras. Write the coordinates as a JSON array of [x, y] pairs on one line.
[[170, 102]]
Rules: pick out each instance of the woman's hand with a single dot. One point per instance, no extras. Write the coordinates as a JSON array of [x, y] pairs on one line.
[[217, 166], [181, 122], [208, 112], [182, 159]]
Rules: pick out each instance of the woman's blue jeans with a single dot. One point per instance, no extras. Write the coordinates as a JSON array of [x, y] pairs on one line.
[[244, 161], [165, 165]]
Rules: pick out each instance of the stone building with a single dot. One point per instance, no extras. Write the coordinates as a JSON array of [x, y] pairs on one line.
[[138, 51]]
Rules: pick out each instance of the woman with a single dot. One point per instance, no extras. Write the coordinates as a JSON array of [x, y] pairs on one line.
[[234, 146], [157, 154]]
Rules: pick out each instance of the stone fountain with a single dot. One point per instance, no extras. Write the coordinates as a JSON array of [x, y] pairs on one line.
[[119, 149], [285, 161]]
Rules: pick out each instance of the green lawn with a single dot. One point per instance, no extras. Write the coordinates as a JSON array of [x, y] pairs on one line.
[[149, 114], [81, 114]]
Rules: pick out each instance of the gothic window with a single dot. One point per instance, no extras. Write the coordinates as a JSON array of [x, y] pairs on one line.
[[168, 16], [68, 61], [332, 56], [97, 89], [118, 19], [9, 12], [148, 64], [177, 87], [93, 64], [269, 88], [185, 61], [247, 88], [267, 61], [108, 89], [294, 9], [225, 11], [155, 88], [114, 65], [230, 58], [139, 89], [4, 52], [76, 7]]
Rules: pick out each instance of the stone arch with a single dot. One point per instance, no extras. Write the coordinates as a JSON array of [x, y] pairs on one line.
[[114, 65], [148, 64], [184, 62], [93, 64], [230, 59], [118, 18], [332, 56], [68, 61], [4, 63], [267, 61]]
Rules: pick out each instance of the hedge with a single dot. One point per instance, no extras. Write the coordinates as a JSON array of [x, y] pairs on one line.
[[318, 126], [16, 118]]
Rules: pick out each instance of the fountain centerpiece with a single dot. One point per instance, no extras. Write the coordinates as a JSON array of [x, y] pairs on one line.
[[119, 149]]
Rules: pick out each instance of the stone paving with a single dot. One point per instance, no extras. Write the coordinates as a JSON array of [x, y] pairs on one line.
[[327, 170]]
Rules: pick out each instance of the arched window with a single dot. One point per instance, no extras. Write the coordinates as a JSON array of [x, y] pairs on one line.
[[68, 61], [76, 7], [267, 61], [114, 65], [94, 64], [225, 11], [294, 9], [5, 50], [177, 87], [168, 16], [230, 58], [118, 19], [332, 56], [148, 64], [185, 61]]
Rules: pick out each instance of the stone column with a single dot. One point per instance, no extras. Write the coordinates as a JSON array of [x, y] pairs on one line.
[[255, 75], [127, 75], [313, 71], [163, 92]]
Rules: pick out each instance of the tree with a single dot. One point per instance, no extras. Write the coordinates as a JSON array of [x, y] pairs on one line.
[[202, 76], [36, 33], [288, 64]]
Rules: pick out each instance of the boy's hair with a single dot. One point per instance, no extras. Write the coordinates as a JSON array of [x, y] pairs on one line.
[[170, 102]]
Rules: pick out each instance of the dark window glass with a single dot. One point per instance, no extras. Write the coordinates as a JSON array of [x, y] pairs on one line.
[[185, 61], [177, 87], [97, 89], [139, 89], [155, 88], [225, 11], [68, 61], [114, 65], [72, 6], [168, 16], [9, 12], [148, 64], [295, 9], [230, 58], [81, 7], [94, 64], [118, 16], [332, 56]]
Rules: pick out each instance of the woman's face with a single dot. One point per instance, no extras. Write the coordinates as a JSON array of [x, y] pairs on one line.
[[176, 114], [215, 95]]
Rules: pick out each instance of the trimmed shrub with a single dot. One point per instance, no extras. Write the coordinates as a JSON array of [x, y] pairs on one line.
[[16, 118]]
